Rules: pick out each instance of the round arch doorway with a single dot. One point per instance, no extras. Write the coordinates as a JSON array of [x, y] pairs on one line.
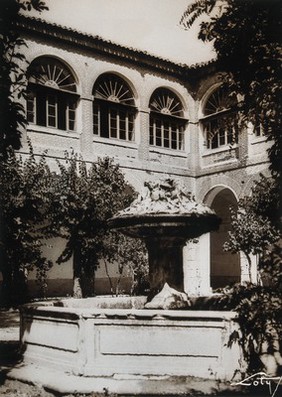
[[224, 267]]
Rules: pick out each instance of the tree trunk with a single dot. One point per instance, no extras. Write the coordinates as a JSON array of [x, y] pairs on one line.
[[6, 288], [249, 268], [77, 289], [87, 280], [14, 289], [20, 282], [83, 275], [109, 277]]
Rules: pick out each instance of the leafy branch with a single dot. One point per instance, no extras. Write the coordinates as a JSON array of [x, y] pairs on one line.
[[12, 72]]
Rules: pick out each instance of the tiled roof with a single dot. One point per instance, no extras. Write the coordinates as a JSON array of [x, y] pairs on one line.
[[65, 33]]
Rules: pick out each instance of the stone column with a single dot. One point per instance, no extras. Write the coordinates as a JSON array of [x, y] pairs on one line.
[[190, 268], [196, 266], [143, 148], [243, 146], [193, 134], [204, 260], [86, 128]]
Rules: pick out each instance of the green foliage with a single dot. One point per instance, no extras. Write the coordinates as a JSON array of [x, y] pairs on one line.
[[83, 200], [132, 258], [24, 203], [255, 224], [136, 263], [270, 266], [255, 230], [247, 38], [259, 315], [251, 233], [12, 72], [75, 204], [265, 200]]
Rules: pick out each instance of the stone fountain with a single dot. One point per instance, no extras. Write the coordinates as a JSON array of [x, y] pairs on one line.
[[165, 216], [127, 345]]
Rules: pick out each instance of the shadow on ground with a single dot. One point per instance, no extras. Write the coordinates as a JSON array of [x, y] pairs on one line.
[[9, 318], [9, 357]]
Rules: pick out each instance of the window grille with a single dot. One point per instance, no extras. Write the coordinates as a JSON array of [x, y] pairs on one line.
[[218, 122], [31, 107], [51, 97], [167, 125], [113, 108]]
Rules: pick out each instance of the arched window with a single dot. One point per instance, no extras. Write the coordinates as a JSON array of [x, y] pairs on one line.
[[218, 121], [166, 120], [51, 95], [113, 108]]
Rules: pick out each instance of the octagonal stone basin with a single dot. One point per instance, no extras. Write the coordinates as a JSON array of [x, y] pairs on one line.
[[87, 345]]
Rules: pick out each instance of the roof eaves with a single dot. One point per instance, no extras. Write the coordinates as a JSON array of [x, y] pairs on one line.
[[107, 46]]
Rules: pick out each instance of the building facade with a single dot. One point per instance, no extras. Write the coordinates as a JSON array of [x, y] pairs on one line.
[[156, 119]]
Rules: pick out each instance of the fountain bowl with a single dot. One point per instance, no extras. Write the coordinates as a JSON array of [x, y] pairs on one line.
[[184, 226]]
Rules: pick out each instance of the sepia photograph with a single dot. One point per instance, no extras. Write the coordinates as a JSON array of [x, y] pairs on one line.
[[140, 198]]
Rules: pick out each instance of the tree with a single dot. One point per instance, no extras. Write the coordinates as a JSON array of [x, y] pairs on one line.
[[255, 229], [83, 200], [132, 258], [255, 224], [12, 73], [259, 316], [20, 249], [24, 203], [247, 36]]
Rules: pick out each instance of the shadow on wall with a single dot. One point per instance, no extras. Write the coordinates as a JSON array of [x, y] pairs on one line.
[[64, 287]]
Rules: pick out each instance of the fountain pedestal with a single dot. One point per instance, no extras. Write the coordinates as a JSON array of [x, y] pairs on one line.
[[165, 236], [165, 263]]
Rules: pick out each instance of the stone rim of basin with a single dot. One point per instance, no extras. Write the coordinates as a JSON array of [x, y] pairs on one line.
[[165, 225]]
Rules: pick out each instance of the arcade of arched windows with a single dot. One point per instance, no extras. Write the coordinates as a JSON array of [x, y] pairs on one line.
[[52, 101], [217, 120], [53, 98]]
